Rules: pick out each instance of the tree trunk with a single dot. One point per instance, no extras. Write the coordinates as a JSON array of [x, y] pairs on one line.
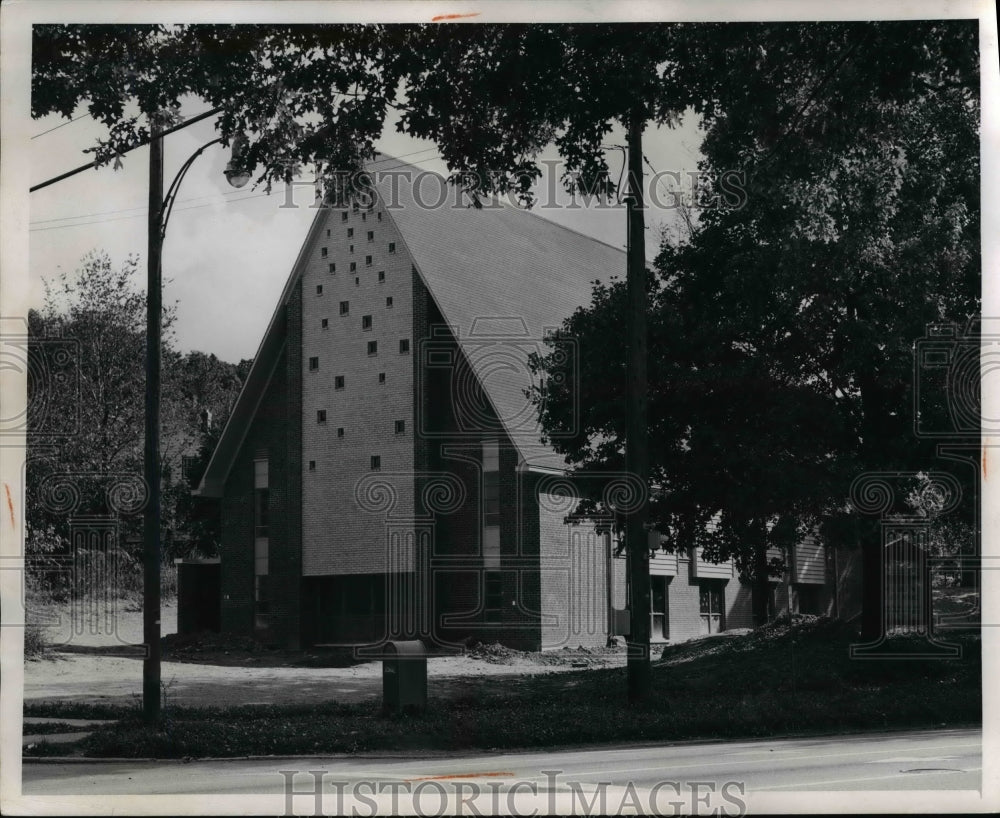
[[761, 585]]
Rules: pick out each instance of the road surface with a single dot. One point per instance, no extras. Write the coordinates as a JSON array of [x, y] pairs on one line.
[[727, 776]]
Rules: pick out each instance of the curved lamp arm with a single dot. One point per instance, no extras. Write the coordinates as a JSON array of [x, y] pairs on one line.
[[171, 197]]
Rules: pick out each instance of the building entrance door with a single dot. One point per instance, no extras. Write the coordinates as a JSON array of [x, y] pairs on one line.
[[711, 605]]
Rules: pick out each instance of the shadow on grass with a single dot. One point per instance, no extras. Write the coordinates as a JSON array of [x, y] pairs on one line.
[[775, 681]]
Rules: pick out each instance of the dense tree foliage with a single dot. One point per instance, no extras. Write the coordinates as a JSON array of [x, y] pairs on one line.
[[85, 420], [783, 331]]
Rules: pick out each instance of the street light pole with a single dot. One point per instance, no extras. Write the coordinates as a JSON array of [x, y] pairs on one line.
[[160, 208], [151, 451]]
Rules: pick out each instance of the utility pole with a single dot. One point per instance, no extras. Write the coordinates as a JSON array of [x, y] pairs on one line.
[[151, 453], [636, 433]]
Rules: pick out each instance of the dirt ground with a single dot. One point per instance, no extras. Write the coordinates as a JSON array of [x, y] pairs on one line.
[[99, 660]]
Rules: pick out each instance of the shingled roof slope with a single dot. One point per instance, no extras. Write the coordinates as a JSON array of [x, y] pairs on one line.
[[502, 277]]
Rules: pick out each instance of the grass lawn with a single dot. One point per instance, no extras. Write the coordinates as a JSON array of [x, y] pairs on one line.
[[776, 681]]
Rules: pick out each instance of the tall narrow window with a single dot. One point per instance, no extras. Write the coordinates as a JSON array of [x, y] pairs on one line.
[[325, 323], [659, 624], [333, 267], [371, 235], [313, 363], [319, 289], [381, 377], [379, 215], [261, 499], [366, 322], [381, 276], [338, 382], [350, 232], [368, 261], [404, 345], [354, 266], [343, 216], [345, 307], [491, 483], [323, 252], [492, 596], [388, 301], [392, 247], [373, 347], [321, 415], [400, 427], [376, 462], [340, 431]]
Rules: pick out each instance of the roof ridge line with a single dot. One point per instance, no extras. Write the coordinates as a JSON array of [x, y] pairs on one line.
[[525, 210]]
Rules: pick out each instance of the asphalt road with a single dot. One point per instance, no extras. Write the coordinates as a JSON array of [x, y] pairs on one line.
[[679, 778]]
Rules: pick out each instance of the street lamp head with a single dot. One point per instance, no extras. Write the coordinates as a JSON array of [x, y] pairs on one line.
[[236, 173], [236, 176]]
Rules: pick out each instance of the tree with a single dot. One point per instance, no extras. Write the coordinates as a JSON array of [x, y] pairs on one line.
[[787, 323], [88, 343]]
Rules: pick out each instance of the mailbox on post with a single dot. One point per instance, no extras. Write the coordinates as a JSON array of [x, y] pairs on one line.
[[404, 676]]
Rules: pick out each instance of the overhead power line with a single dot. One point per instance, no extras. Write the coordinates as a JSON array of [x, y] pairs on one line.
[[140, 144], [61, 125]]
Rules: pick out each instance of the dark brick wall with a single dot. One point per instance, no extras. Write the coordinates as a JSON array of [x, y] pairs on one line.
[[276, 430], [445, 444]]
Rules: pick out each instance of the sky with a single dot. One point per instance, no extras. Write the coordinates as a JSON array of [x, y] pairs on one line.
[[227, 252]]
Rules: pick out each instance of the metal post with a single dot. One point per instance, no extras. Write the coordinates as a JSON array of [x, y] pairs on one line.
[[151, 456], [636, 443]]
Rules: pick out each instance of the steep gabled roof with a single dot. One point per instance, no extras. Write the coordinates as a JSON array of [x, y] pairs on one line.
[[501, 277]]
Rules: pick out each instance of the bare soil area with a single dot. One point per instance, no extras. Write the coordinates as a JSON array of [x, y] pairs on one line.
[[99, 659]]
